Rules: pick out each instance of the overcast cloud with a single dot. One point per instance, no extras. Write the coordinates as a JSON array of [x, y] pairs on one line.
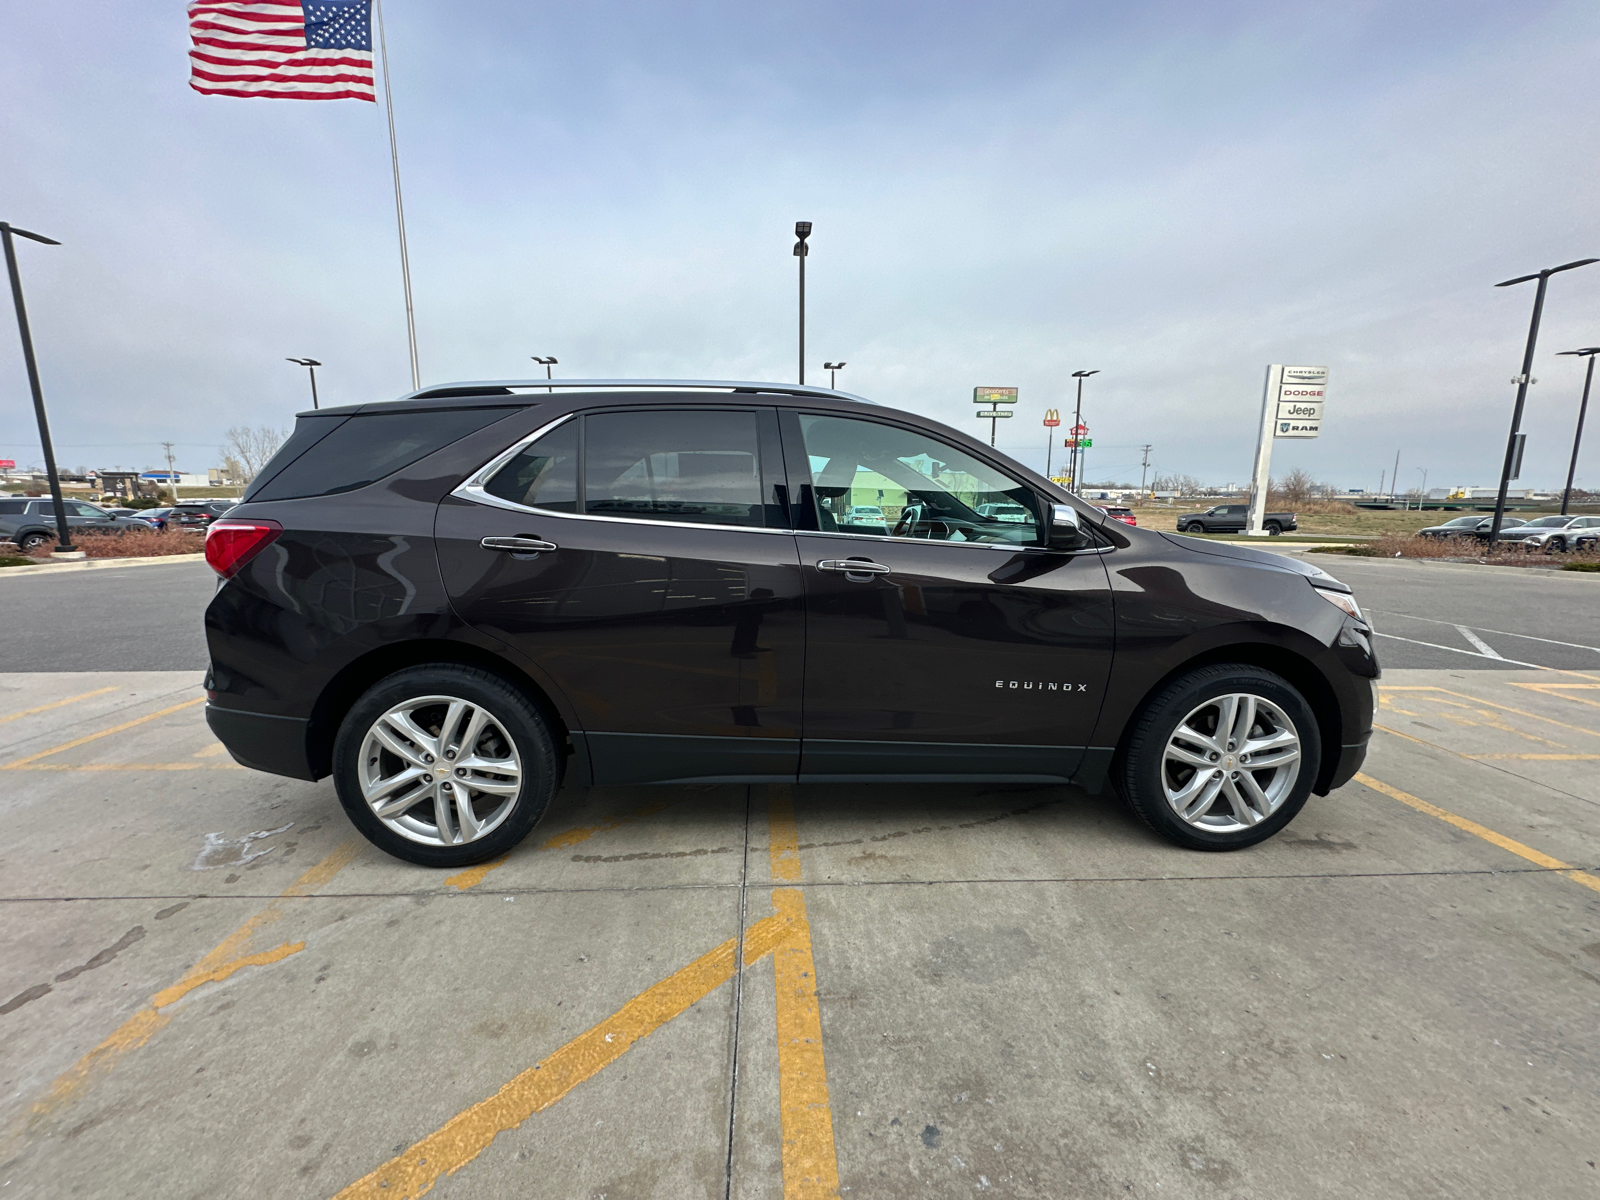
[[1173, 194]]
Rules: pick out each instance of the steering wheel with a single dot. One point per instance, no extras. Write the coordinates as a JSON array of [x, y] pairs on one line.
[[907, 520]]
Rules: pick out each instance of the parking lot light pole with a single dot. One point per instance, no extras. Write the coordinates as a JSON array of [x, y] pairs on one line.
[[311, 365], [1077, 424], [802, 230], [546, 363], [64, 544], [1522, 383], [1583, 407], [831, 368]]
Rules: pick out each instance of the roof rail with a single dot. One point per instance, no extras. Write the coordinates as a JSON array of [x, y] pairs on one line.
[[501, 387]]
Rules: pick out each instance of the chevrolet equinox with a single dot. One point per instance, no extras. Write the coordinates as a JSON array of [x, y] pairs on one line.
[[453, 601]]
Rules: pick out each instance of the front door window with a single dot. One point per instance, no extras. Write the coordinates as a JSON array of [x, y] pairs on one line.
[[885, 481]]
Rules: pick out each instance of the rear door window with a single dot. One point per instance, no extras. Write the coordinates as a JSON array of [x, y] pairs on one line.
[[370, 446], [699, 466], [13, 508]]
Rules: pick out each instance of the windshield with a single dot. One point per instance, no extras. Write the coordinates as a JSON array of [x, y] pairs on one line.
[[1547, 522], [1462, 521]]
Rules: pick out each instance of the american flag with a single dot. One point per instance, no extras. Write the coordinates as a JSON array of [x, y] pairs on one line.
[[291, 49]]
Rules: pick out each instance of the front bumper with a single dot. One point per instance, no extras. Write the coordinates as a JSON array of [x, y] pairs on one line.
[[263, 742]]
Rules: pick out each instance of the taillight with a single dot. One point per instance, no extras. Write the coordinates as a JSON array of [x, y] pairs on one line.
[[232, 543]]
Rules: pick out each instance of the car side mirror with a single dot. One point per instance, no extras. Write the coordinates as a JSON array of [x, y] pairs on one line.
[[1066, 528]]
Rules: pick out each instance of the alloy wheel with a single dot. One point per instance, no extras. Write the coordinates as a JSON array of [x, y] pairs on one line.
[[1230, 763], [440, 770]]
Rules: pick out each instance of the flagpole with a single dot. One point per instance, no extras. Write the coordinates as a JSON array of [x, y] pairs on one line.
[[399, 207]]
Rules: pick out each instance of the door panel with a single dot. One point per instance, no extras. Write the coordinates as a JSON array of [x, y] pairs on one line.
[[679, 646], [964, 648]]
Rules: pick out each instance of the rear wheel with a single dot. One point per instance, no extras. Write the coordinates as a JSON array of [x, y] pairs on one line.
[[444, 765], [1222, 758], [1274, 529], [32, 541], [1193, 527]]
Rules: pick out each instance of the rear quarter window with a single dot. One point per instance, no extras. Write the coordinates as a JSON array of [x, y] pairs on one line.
[[13, 508], [368, 447]]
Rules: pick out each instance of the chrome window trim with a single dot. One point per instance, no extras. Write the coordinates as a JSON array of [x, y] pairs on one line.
[[1005, 547], [473, 490]]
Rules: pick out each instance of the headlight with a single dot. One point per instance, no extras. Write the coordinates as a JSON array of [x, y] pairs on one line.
[[1343, 601]]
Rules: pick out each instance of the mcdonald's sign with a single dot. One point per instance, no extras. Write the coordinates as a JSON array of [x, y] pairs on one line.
[[1052, 418]]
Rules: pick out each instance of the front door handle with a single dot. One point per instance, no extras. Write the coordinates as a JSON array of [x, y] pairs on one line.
[[857, 570], [518, 545]]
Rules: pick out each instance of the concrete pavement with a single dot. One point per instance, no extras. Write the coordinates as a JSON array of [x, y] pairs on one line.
[[210, 988]]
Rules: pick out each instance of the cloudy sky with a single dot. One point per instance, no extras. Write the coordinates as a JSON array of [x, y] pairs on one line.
[[1175, 194]]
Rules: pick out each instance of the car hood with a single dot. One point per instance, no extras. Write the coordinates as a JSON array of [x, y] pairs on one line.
[[1261, 558]]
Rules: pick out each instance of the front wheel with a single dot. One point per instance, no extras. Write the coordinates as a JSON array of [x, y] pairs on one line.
[[1222, 758], [1556, 546], [444, 765], [1193, 527], [1274, 529]]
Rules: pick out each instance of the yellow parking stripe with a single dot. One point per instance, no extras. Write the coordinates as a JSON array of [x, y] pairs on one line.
[[221, 962], [22, 762], [28, 712], [468, 1134], [1576, 874], [473, 876]]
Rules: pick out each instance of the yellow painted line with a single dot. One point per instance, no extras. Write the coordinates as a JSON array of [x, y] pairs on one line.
[[473, 876], [1559, 690], [22, 762], [1540, 757], [468, 1134], [810, 1161], [1538, 857], [1521, 712], [783, 836], [28, 712], [222, 961], [215, 750], [183, 766]]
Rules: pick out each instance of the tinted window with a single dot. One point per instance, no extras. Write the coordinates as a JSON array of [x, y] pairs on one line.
[[78, 509], [544, 473], [922, 487], [370, 446], [308, 431], [697, 466], [13, 507]]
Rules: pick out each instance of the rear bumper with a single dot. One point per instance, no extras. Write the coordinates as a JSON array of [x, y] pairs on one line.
[[263, 742]]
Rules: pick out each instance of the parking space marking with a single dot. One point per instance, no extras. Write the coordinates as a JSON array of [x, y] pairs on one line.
[[1538, 757], [468, 1134], [1477, 641], [183, 766], [1521, 712], [810, 1158], [1576, 874], [1510, 662], [28, 712], [1560, 690], [1497, 632], [32, 758], [224, 960]]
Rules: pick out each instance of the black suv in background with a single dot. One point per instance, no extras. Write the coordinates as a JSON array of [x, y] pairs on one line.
[[449, 601]]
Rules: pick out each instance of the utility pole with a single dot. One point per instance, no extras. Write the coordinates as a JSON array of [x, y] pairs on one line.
[[172, 478], [1144, 470], [1522, 381]]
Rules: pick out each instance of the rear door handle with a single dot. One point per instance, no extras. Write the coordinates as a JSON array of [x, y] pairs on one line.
[[858, 569], [518, 545]]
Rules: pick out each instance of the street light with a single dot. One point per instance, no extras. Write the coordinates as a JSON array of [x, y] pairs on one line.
[[546, 363], [1522, 383], [1583, 407], [802, 230], [64, 544], [1423, 495], [311, 365], [1077, 424], [830, 368]]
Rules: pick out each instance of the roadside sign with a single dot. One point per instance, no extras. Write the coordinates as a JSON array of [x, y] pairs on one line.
[[8, 464], [1079, 443], [1291, 407], [993, 416], [1052, 418], [994, 395]]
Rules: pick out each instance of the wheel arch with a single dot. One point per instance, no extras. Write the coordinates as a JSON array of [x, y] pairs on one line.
[[347, 686], [1295, 668]]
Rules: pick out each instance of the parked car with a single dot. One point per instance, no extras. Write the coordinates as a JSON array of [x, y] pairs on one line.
[[196, 514], [1014, 513], [1232, 518], [1118, 513], [1475, 526], [31, 523], [452, 601], [137, 514], [1553, 535], [865, 514]]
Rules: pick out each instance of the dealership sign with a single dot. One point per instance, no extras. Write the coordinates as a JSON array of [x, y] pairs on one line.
[[1300, 395]]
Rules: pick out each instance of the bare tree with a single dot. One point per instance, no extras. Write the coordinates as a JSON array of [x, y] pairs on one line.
[[1297, 487], [247, 450]]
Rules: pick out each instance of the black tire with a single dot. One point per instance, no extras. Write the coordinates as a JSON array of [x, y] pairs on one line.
[[509, 708], [1556, 545], [1274, 529], [1193, 527], [32, 541], [1141, 769]]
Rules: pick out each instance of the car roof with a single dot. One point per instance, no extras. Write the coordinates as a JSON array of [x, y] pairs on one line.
[[519, 392]]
